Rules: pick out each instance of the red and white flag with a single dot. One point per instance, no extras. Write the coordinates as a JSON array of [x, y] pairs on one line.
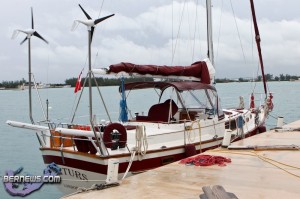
[[78, 84]]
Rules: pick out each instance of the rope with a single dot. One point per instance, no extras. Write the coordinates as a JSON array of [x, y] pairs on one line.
[[276, 117], [93, 187], [130, 163], [265, 159], [200, 146], [71, 180], [141, 144], [189, 131], [206, 160], [270, 161]]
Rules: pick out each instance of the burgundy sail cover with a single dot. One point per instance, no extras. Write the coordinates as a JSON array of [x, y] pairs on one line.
[[198, 69]]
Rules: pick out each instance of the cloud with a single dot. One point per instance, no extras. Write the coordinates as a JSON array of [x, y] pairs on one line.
[[155, 32]]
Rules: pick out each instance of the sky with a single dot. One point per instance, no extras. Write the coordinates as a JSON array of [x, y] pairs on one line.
[[160, 32]]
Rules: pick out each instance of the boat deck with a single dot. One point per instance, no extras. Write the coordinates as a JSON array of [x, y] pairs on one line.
[[267, 172]]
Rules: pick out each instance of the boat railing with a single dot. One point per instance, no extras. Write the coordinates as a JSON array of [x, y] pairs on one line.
[[244, 102], [85, 144], [259, 98]]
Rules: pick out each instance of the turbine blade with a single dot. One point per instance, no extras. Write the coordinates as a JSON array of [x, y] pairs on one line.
[[23, 41], [85, 13], [92, 32], [39, 36], [32, 24], [15, 34], [75, 24], [102, 19]]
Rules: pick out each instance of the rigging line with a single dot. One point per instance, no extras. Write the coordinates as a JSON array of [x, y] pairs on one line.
[[255, 83], [172, 29], [39, 96], [48, 73], [252, 52], [75, 99], [100, 10], [199, 37], [101, 6], [195, 28], [101, 96], [190, 45], [178, 32], [219, 34], [237, 28], [197, 100], [74, 113], [252, 41]]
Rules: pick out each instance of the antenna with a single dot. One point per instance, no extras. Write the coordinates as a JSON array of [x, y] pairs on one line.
[[29, 33]]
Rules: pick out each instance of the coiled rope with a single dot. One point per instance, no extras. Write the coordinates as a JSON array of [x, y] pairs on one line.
[[140, 148], [205, 160]]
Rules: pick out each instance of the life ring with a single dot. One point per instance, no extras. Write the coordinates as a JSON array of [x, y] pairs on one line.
[[107, 138]]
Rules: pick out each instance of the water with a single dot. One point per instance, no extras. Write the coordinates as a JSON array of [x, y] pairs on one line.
[[20, 147]]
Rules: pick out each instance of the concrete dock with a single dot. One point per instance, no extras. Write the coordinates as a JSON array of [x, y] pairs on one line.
[[270, 168]]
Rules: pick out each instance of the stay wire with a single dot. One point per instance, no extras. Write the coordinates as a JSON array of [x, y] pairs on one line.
[[237, 28], [178, 32], [195, 30], [219, 34]]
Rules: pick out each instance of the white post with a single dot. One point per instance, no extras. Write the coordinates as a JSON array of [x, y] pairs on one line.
[[112, 171], [227, 138], [279, 122]]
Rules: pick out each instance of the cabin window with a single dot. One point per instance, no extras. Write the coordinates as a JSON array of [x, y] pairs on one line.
[[148, 97]]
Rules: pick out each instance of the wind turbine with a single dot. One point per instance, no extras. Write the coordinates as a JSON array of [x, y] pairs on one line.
[[90, 23], [29, 33]]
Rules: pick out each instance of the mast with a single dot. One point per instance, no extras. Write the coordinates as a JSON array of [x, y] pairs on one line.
[[257, 38], [210, 50]]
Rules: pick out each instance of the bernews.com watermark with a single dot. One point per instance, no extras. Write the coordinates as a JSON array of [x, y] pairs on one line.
[[31, 179]]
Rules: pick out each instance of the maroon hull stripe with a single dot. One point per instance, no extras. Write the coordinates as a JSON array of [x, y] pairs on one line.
[[143, 165]]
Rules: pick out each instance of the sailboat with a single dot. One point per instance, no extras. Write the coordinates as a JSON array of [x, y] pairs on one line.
[[185, 119]]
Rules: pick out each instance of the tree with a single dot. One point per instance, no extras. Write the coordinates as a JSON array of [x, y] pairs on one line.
[[282, 77], [269, 77]]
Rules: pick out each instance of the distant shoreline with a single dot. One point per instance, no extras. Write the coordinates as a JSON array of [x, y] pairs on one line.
[[71, 82]]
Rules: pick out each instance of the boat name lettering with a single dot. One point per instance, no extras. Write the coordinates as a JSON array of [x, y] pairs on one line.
[[74, 173]]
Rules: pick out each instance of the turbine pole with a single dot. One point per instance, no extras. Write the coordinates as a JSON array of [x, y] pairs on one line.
[[29, 81], [90, 77], [29, 33]]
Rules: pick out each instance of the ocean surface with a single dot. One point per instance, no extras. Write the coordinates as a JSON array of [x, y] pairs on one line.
[[20, 147]]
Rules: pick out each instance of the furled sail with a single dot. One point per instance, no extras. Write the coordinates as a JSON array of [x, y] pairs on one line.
[[199, 71]]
